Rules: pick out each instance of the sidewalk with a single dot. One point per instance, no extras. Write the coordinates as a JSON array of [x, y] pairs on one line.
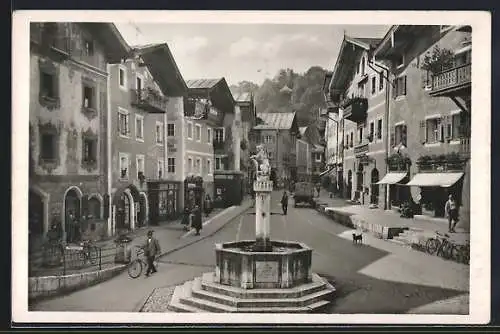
[[171, 237], [387, 224]]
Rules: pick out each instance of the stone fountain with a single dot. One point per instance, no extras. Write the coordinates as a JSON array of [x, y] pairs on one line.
[[257, 276]]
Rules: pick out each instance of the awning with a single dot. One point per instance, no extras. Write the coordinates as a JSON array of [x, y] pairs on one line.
[[326, 172], [392, 178], [435, 179]]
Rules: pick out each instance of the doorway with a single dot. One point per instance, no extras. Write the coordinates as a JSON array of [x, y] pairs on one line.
[[72, 214], [375, 187]]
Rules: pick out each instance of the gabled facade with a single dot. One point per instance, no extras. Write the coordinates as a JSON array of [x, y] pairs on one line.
[[358, 90], [68, 120], [212, 124], [142, 178], [278, 132], [430, 113], [245, 102]]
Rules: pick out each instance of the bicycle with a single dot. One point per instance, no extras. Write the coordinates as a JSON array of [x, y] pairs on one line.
[[461, 253], [440, 245], [139, 263], [89, 252]]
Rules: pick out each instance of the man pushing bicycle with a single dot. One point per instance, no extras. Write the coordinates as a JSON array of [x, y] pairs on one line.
[[151, 250]]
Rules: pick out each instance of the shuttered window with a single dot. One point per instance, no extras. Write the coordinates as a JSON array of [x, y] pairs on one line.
[[399, 87]]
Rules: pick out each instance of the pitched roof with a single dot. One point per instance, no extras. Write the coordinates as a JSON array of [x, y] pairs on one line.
[[367, 41], [202, 83], [162, 65], [276, 120]]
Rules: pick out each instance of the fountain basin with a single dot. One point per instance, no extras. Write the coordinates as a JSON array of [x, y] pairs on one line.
[[287, 265]]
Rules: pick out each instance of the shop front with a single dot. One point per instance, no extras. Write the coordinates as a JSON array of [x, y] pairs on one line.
[[164, 201]]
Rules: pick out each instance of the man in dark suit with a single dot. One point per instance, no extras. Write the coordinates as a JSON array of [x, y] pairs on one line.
[[151, 250]]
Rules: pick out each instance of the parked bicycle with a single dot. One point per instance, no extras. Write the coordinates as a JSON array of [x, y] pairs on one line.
[[89, 252], [461, 253], [139, 264], [440, 245]]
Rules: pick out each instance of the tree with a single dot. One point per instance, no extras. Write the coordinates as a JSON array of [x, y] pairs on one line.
[[439, 60]]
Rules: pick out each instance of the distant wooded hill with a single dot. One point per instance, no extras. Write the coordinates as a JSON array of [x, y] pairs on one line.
[[305, 98]]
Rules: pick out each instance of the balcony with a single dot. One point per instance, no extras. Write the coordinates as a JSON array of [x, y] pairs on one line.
[[361, 149], [218, 144], [452, 82], [355, 109], [149, 100]]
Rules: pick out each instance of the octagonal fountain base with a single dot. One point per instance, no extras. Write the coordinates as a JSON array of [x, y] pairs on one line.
[[246, 281]]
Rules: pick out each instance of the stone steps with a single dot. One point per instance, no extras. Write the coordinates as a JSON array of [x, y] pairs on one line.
[[204, 295], [207, 283]]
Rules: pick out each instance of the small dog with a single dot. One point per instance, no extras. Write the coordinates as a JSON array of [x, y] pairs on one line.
[[357, 238]]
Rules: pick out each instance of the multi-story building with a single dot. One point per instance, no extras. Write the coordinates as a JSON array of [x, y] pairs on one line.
[[358, 88], [245, 102], [68, 125], [333, 150], [139, 158], [430, 105], [212, 133], [278, 132], [303, 157]]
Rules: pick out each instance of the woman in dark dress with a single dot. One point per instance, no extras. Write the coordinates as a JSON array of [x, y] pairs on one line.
[[197, 224]]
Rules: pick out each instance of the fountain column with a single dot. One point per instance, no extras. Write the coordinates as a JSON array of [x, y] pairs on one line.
[[263, 188]]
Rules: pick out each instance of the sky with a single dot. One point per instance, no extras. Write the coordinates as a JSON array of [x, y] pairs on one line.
[[249, 52]]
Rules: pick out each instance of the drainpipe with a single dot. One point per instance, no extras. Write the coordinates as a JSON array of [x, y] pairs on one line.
[[387, 204]]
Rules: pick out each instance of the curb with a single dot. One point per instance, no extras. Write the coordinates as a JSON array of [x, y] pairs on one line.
[[119, 269], [242, 208]]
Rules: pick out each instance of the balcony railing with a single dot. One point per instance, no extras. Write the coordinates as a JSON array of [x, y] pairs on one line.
[[451, 81], [355, 109], [440, 166], [361, 149], [149, 100]]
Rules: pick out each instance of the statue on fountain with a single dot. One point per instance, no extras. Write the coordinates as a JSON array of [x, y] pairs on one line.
[[261, 162]]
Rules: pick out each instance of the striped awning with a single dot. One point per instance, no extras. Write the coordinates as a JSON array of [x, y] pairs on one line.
[[444, 180], [392, 178]]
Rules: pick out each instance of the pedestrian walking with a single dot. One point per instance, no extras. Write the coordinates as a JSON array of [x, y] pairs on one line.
[[451, 210], [196, 220], [207, 205], [151, 250], [318, 188], [284, 202], [186, 215]]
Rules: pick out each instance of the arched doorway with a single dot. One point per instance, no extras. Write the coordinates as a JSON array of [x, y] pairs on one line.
[[127, 208], [142, 210], [374, 186], [72, 214]]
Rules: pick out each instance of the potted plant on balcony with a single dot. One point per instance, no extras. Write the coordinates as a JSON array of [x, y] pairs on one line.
[[438, 60], [398, 162]]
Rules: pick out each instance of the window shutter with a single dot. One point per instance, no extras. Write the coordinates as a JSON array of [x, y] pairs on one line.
[[404, 86], [393, 138], [106, 203], [422, 132]]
